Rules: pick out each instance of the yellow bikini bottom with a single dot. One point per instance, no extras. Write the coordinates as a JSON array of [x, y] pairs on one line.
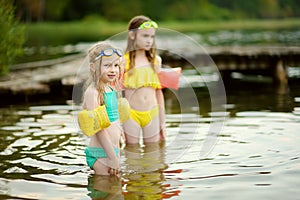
[[144, 117]]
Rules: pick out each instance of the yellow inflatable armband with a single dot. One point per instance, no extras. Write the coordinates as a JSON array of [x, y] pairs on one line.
[[124, 109], [93, 121]]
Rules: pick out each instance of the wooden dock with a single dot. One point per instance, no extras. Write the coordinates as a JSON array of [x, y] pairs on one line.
[[36, 77], [272, 61]]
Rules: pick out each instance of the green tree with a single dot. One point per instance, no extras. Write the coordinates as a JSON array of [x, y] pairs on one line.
[[120, 10], [11, 36], [55, 9], [268, 8]]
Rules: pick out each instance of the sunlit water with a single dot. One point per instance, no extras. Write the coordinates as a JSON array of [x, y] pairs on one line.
[[256, 155]]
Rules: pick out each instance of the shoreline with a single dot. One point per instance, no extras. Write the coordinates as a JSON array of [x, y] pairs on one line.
[[50, 76], [44, 33]]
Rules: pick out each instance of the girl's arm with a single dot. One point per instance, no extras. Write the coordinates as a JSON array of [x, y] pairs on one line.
[[161, 103], [90, 103], [103, 138], [162, 121]]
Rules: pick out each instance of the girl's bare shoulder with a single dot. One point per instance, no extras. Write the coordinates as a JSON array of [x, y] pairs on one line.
[[90, 98], [90, 91], [158, 62], [158, 59]]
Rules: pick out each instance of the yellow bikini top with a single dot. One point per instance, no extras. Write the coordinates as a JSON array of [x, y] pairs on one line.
[[140, 77]]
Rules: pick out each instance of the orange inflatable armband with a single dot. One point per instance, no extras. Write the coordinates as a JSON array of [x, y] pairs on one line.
[[169, 77]]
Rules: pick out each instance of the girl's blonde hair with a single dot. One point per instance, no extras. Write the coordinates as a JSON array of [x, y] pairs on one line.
[[133, 26], [95, 76]]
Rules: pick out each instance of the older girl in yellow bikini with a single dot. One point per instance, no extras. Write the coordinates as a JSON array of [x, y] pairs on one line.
[[141, 83]]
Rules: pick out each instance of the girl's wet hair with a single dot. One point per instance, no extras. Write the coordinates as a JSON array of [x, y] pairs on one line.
[[133, 26], [94, 51], [95, 76]]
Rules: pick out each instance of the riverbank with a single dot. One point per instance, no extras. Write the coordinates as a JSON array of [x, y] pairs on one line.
[[39, 77], [60, 33], [54, 76]]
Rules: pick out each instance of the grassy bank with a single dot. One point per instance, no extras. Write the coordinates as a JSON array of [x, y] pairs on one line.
[[250, 24], [58, 33]]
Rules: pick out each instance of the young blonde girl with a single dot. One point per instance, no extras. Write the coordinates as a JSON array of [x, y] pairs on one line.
[[103, 151], [141, 83]]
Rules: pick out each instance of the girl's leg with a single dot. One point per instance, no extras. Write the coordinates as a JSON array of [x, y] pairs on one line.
[[132, 131], [151, 131], [101, 167]]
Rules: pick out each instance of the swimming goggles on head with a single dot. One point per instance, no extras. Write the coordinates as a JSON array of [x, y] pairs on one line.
[[148, 24], [109, 52]]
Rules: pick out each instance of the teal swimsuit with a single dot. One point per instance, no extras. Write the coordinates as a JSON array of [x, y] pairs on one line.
[[111, 103], [94, 153]]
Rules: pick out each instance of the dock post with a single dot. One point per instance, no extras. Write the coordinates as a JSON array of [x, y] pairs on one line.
[[280, 77]]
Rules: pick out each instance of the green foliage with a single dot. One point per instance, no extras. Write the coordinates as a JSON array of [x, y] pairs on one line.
[[93, 28], [55, 9], [160, 10], [11, 34]]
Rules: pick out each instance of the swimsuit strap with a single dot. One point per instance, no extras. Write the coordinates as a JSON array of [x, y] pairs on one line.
[[111, 102], [126, 56], [140, 77]]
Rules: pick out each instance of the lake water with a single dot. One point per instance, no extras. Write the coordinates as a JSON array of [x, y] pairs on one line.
[[254, 155], [245, 148]]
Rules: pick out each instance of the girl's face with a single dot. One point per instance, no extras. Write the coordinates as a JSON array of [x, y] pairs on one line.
[[110, 68], [145, 38]]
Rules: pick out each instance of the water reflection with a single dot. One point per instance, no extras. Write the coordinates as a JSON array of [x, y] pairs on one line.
[[144, 166], [104, 187]]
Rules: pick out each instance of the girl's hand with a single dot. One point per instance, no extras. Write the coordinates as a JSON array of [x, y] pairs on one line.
[[122, 139], [114, 172], [113, 167], [163, 133]]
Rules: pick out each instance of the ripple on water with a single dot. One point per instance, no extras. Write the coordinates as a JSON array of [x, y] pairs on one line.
[[219, 114], [26, 143], [296, 111], [297, 99], [33, 124], [78, 178], [52, 108], [15, 170], [252, 114], [29, 189], [60, 131], [188, 117], [14, 128]]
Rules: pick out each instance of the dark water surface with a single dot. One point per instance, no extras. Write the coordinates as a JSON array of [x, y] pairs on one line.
[[256, 155]]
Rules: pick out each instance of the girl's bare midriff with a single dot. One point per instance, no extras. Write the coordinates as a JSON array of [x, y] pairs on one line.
[[114, 131], [141, 99]]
